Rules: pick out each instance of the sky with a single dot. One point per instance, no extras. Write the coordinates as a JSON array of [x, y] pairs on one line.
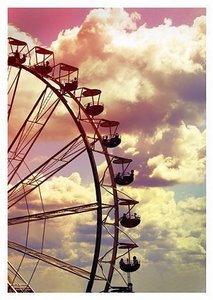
[[48, 22], [150, 65]]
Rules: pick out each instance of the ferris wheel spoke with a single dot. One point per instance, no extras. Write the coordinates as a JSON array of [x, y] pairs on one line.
[[30, 130], [18, 283], [13, 86], [56, 213], [52, 261], [26, 147], [50, 167]]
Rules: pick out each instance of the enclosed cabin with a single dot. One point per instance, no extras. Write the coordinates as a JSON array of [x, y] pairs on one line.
[[18, 51], [112, 139], [129, 265], [129, 219], [123, 177], [43, 60], [67, 76], [94, 107]]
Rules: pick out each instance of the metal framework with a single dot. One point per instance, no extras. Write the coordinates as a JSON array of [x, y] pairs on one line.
[[59, 88]]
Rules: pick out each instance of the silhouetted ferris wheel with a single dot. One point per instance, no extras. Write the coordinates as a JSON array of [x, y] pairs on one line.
[[54, 129]]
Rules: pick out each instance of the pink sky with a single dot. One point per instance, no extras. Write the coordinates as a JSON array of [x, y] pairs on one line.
[[46, 23]]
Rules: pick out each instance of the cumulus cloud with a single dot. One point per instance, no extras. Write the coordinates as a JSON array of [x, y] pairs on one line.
[[157, 83], [69, 238], [129, 144], [184, 159], [171, 234], [171, 238], [161, 84], [23, 36], [126, 54]]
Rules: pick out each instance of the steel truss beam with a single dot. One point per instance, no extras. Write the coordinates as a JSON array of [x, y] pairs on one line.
[[55, 163], [30, 130], [16, 283], [56, 213], [88, 147], [52, 261], [15, 84]]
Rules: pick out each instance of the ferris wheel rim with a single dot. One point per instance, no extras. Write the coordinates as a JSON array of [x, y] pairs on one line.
[[68, 86], [92, 163]]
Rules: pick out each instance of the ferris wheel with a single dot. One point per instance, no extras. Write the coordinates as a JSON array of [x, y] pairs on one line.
[[55, 133]]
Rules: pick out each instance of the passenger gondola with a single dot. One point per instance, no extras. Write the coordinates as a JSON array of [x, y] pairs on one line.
[[94, 107], [112, 139], [17, 53], [129, 266], [123, 177], [44, 60], [130, 221], [44, 69], [71, 86], [67, 76]]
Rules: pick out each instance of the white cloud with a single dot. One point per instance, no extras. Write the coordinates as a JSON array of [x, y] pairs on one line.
[[20, 35], [186, 162], [172, 238], [170, 233]]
